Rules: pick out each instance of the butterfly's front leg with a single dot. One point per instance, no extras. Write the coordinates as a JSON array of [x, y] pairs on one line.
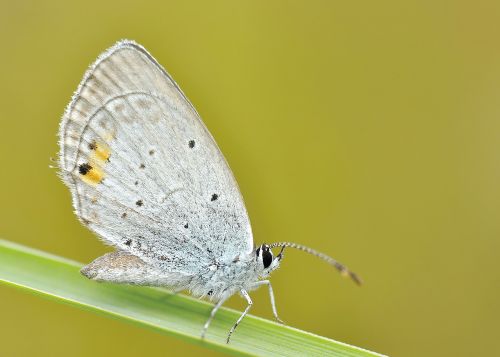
[[271, 296]]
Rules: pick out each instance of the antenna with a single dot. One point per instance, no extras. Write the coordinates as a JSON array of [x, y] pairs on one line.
[[343, 270]]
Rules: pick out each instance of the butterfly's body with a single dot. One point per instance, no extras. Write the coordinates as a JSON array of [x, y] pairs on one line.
[[215, 282], [148, 178]]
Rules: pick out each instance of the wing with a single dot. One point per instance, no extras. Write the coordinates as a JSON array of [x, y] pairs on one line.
[[144, 172]]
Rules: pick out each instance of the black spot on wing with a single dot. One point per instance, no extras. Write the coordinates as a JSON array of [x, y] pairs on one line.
[[186, 225], [139, 203], [128, 242], [83, 169], [214, 197], [142, 166], [191, 144]]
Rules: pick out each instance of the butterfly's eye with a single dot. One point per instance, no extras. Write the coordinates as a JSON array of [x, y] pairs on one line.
[[267, 256]]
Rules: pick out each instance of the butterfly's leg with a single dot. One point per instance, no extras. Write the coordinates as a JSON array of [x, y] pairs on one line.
[[247, 297], [212, 314], [271, 295]]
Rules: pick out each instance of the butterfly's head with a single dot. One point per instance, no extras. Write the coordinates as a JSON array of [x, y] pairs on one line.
[[266, 260]]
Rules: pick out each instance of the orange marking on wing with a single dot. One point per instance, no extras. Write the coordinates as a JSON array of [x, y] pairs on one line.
[[102, 153], [93, 176]]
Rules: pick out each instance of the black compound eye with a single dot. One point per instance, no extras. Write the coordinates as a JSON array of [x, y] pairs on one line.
[[267, 258]]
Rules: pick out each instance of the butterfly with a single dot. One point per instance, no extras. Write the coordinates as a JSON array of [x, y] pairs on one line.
[[147, 177]]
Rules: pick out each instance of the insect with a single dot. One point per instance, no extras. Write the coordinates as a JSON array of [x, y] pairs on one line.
[[147, 177]]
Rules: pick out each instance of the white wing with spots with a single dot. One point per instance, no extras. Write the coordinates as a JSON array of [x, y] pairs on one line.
[[144, 172]]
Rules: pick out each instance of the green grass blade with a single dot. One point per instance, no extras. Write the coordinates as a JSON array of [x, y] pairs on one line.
[[176, 315]]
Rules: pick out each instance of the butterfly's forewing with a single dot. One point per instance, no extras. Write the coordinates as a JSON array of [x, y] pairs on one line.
[[144, 172]]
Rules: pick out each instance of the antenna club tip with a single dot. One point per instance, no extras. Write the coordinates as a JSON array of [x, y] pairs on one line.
[[356, 279]]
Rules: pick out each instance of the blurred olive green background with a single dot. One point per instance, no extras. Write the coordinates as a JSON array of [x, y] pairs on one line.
[[369, 130]]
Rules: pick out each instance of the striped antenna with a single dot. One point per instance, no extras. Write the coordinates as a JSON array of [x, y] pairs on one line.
[[343, 270]]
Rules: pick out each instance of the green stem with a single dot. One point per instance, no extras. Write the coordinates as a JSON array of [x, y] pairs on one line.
[[175, 315]]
